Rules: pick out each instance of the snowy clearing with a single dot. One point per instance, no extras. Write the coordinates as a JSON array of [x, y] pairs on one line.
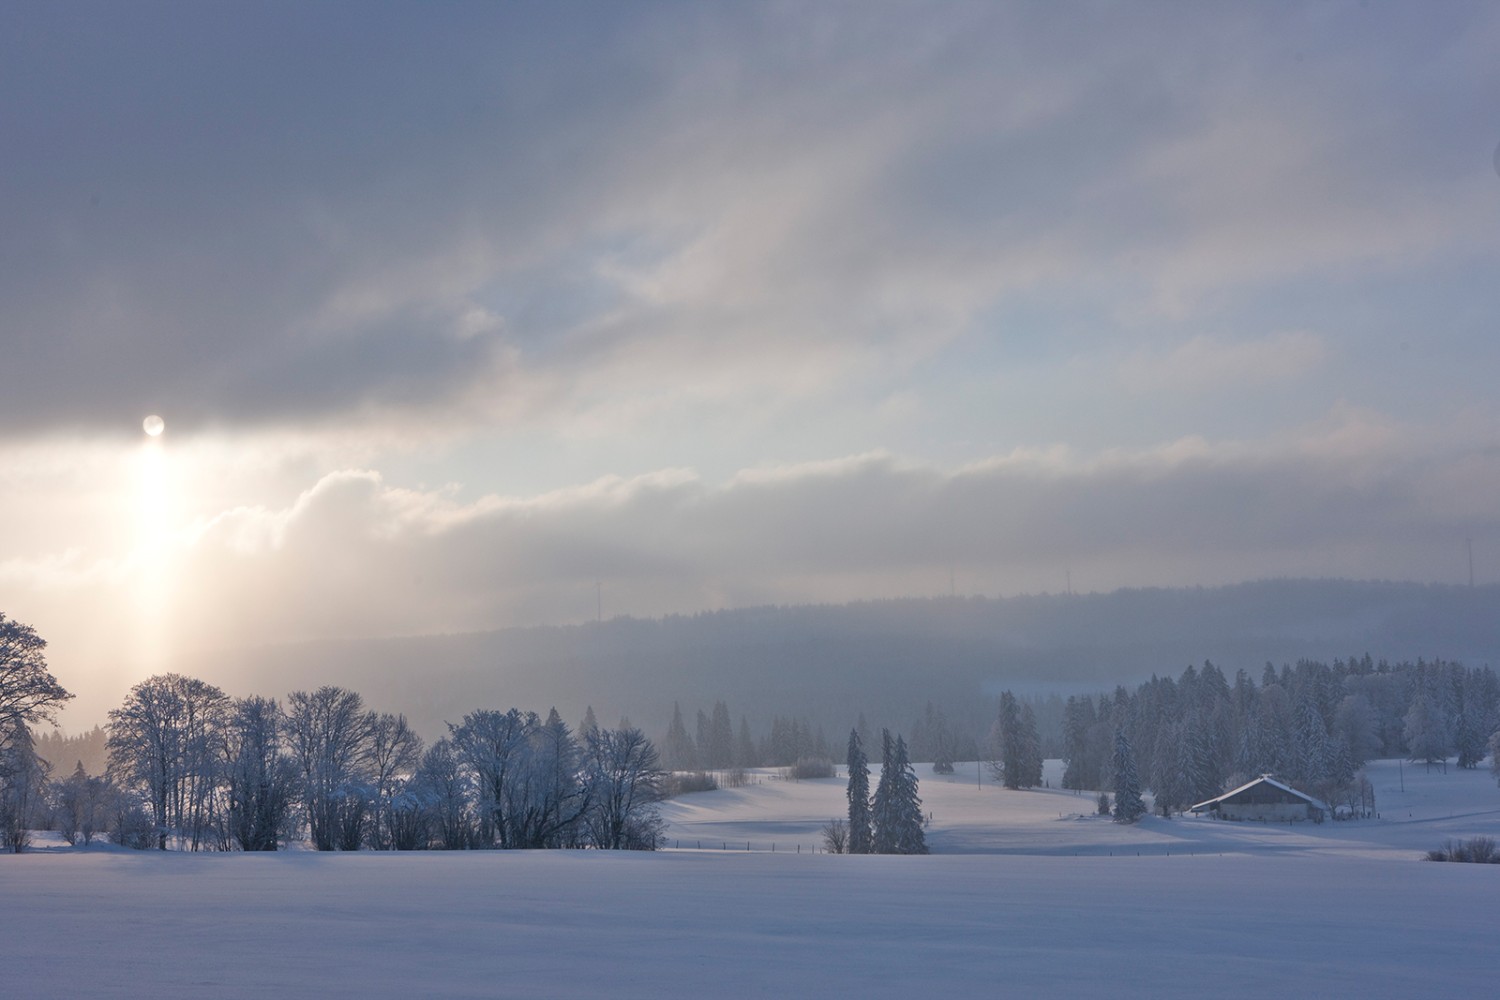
[[1333, 910]]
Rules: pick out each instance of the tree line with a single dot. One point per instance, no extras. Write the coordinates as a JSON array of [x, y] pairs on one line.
[[191, 768], [1189, 739]]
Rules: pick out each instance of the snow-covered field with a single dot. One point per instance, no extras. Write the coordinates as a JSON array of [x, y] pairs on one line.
[[1028, 897]]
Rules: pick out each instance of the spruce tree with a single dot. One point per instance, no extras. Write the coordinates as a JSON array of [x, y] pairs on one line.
[[1129, 806], [861, 837], [906, 805], [678, 750], [1020, 748], [744, 746], [884, 817], [1029, 749]]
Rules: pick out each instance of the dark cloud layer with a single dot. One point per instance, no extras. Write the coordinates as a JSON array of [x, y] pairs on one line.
[[270, 215]]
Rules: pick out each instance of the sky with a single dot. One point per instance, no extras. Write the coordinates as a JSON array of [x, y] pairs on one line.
[[462, 316]]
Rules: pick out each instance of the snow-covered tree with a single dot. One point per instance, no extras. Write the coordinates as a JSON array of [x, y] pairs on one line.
[[897, 815], [1081, 766], [1129, 806], [1018, 761], [1428, 735], [259, 773], [546, 801], [492, 746], [164, 743], [1354, 723], [443, 791], [29, 694], [81, 806], [910, 838], [720, 739], [395, 752], [1310, 749], [861, 835], [23, 777], [623, 775], [679, 752], [329, 734], [744, 746]]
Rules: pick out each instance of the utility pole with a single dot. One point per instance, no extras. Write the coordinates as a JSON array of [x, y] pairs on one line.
[[598, 601], [1471, 562]]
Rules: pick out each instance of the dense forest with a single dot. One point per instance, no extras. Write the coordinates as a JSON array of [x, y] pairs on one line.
[[1313, 724], [825, 664]]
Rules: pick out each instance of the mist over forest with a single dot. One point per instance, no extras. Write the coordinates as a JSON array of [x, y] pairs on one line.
[[826, 664]]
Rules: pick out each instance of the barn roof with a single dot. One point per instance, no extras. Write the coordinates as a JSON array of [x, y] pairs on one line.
[[1264, 779]]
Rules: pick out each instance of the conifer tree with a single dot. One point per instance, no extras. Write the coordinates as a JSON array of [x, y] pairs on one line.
[[720, 739], [861, 837], [1029, 757], [884, 816], [1129, 805], [898, 809], [1020, 748], [907, 805], [744, 746], [679, 753]]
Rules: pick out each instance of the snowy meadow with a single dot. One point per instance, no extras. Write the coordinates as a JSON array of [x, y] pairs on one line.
[[1027, 894]]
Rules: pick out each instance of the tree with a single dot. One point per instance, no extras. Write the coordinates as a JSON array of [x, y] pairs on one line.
[[744, 746], [491, 745], [546, 801], [261, 777], [678, 750], [395, 752], [1354, 723], [164, 742], [1494, 748], [623, 775], [1129, 806], [1081, 767], [29, 694], [720, 738], [23, 776], [442, 792], [330, 734], [861, 836], [1019, 749], [1310, 747], [1428, 735], [81, 806], [898, 809]]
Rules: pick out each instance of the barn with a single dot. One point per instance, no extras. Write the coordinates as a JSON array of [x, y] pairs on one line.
[[1267, 800]]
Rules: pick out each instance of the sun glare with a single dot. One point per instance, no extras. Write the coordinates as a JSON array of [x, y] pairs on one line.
[[155, 516]]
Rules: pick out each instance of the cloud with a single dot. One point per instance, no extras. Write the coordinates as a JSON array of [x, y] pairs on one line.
[[462, 222], [356, 555], [1205, 364]]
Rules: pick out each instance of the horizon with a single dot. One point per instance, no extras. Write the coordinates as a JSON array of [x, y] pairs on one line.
[[1252, 625]]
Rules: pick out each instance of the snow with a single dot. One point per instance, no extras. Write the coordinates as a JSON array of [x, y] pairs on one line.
[[1029, 895]]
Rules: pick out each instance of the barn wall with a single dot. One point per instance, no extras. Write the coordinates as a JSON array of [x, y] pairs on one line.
[[1270, 812]]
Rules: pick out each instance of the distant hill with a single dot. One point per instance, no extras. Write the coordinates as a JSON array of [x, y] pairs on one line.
[[887, 658]]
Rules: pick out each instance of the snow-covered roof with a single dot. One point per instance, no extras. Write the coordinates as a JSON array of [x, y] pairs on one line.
[[1264, 779]]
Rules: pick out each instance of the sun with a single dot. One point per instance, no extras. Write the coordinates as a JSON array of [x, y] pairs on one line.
[[153, 425]]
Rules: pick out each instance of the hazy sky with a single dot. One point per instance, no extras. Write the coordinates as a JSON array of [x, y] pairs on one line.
[[454, 311]]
